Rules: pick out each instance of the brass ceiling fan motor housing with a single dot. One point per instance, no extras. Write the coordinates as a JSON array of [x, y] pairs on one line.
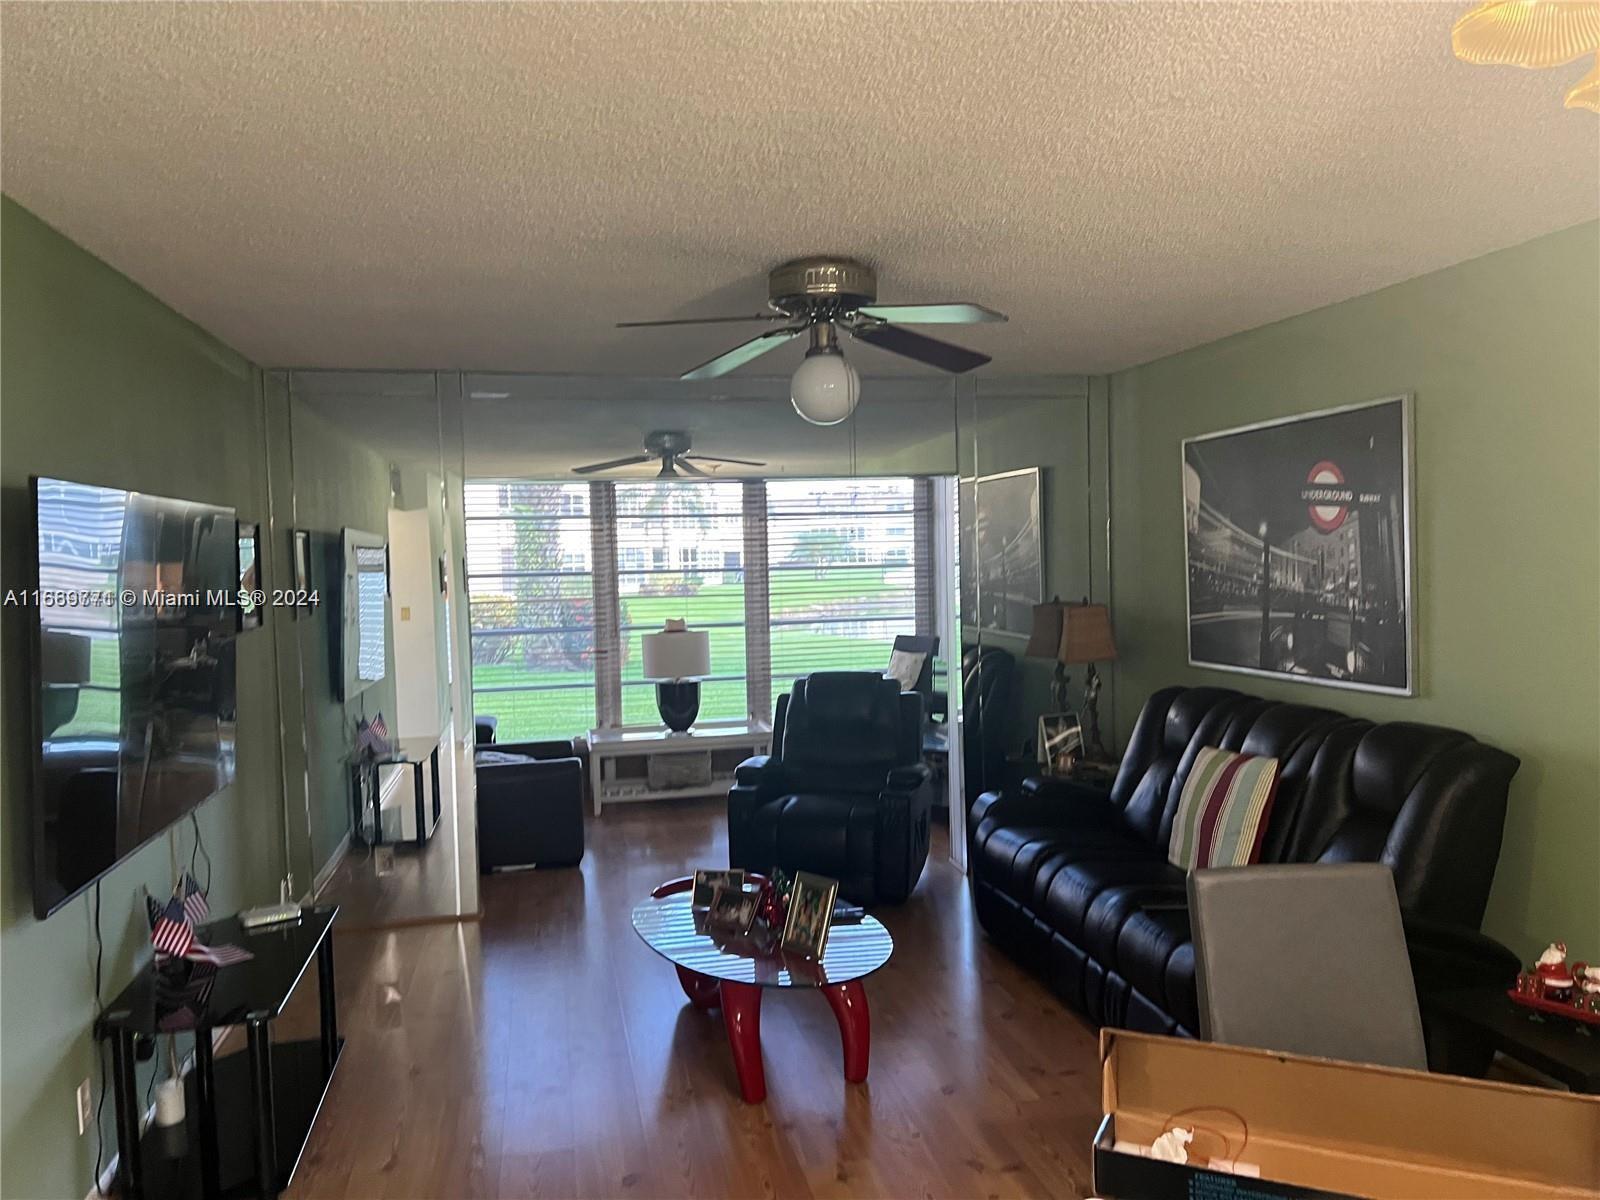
[[818, 288]]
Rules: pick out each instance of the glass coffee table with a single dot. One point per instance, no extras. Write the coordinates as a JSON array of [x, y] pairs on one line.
[[730, 973]]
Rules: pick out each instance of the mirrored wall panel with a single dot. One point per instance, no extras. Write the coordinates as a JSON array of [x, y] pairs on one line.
[[1038, 640], [364, 536]]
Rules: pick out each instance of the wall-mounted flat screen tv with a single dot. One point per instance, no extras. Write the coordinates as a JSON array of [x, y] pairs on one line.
[[133, 674]]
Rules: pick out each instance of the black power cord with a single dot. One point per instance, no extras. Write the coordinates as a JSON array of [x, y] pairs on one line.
[[99, 1050], [199, 849]]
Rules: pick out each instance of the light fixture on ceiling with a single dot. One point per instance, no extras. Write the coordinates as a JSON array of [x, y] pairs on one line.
[[819, 297], [1587, 93], [825, 387], [1528, 33]]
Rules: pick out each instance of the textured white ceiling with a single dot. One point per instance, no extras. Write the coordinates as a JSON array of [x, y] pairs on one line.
[[491, 186]]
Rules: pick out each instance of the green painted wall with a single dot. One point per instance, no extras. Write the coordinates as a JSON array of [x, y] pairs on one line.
[[1503, 355], [99, 382]]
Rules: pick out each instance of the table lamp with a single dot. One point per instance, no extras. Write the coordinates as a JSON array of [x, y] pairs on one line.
[[1086, 638], [1044, 641], [677, 658]]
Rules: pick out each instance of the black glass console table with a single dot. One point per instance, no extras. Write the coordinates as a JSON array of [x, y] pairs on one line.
[[249, 1114]]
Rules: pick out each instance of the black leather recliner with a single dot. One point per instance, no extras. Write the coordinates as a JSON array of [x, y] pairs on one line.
[[844, 793], [1078, 884]]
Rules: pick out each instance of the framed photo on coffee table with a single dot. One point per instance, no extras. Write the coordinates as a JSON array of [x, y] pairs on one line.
[[805, 930], [732, 908], [707, 882]]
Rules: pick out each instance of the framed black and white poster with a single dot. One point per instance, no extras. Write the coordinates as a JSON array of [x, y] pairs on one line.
[[1002, 564], [1299, 548]]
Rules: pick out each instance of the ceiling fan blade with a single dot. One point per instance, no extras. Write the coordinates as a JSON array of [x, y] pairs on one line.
[[701, 321], [944, 355], [631, 460], [741, 462], [691, 468], [739, 355], [933, 314]]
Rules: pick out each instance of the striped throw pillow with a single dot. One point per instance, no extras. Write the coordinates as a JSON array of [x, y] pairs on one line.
[[1223, 811]]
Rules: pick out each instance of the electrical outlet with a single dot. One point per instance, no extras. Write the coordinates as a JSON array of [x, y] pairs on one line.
[[85, 1107]]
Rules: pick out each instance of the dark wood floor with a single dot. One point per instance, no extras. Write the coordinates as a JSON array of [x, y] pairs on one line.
[[549, 1052]]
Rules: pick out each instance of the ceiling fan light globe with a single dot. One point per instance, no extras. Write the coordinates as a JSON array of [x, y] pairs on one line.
[[825, 387]]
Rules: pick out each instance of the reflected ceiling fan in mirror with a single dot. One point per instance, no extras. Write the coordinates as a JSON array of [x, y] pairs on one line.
[[819, 297], [671, 447]]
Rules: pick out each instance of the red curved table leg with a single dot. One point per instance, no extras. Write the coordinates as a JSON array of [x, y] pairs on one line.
[[741, 1013], [701, 989], [849, 1004]]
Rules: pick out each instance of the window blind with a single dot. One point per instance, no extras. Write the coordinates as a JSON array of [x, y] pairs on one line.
[[680, 553], [787, 576], [845, 568], [531, 606]]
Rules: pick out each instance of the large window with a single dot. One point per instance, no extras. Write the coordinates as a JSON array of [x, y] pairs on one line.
[[843, 566], [680, 550], [834, 570], [532, 607]]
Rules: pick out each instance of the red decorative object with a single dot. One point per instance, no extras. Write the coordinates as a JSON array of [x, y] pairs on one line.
[[1554, 986], [1557, 1008]]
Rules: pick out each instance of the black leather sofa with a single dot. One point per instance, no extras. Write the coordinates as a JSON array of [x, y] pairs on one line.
[[844, 793], [530, 804], [1077, 884]]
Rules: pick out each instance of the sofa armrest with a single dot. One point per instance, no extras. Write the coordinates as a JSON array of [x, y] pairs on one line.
[[907, 778], [1446, 956], [757, 771], [1062, 791]]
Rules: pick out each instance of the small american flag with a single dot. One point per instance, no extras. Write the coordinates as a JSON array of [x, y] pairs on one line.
[[194, 900], [171, 933], [373, 737]]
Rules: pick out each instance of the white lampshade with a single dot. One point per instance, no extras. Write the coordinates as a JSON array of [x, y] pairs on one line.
[[825, 387], [677, 653]]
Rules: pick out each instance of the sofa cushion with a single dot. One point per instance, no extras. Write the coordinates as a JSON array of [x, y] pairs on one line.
[[1222, 814], [1146, 943], [1013, 859], [1078, 887], [828, 835]]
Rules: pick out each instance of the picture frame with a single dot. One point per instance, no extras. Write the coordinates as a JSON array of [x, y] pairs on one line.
[[805, 929], [707, 882], [300, 558], [251, 597], [1001, 548], [732, 909], [1300, 547], [1060, 744]]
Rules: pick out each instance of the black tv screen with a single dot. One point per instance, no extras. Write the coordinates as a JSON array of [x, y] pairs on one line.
[[134, 674]]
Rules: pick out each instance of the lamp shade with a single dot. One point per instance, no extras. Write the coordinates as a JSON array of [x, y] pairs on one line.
[[1528, 33], [1044, 639], [1086, 634], [677, 652]]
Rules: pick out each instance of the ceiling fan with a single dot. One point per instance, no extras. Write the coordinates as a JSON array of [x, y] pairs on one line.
[[819, 296], [672, 448]]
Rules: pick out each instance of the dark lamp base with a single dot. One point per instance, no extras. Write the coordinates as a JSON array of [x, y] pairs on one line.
[[679, 704]]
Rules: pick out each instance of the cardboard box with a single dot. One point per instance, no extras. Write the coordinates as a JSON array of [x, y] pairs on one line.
[[1317, 1128]]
